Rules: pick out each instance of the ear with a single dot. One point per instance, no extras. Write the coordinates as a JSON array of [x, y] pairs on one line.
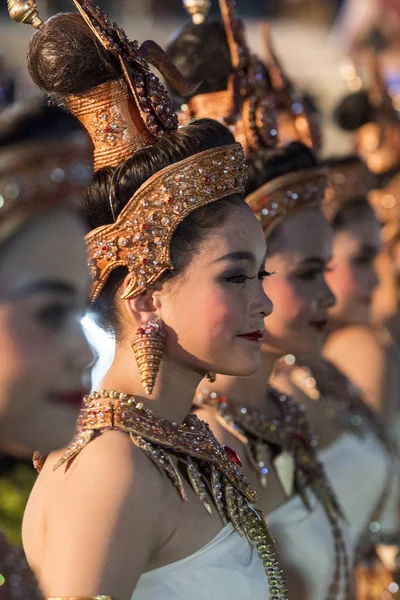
[[142, 308]]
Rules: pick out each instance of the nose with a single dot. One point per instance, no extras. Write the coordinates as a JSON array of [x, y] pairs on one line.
[[374, 279], [266, 306], [80, 353], [328, 298]]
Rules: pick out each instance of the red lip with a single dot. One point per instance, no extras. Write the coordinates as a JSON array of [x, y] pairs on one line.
[[367, 301], [320, 325], [254, 336], [72, 398]]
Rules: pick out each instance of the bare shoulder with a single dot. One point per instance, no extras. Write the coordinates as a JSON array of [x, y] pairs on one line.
[[107, 506], [355, 343], [109, 467]]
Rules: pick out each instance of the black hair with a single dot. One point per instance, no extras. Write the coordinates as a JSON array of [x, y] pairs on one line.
[[353, 111], [269, 164], [65, 58], [353, 207], [201, 53]]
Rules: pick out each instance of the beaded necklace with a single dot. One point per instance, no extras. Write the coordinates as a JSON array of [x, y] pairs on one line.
[[211, 470], [342, 401], [265, 439]]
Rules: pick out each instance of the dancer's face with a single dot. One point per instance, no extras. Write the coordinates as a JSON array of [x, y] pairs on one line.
[[300, 250], [353, 276], [43, 294], [208, 310]]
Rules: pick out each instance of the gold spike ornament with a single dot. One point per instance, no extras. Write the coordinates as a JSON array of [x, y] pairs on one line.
[[148, 348], [24, 11]]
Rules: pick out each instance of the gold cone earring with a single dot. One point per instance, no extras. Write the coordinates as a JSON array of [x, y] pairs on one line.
[[148, 347], [211, 377]]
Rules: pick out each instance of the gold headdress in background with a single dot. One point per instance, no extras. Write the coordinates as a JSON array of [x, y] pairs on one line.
[[347, 181], [37, 176], [378, 142], [134, 112], [294, 123], [285, 195], [247, 106]]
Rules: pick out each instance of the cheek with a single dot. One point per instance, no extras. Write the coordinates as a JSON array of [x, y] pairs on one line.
[[26, 349], [207, 313], [290, 303], [343, 282]]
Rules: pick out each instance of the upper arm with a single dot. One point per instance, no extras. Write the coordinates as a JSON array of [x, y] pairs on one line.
[[101, 526], [358, 353]]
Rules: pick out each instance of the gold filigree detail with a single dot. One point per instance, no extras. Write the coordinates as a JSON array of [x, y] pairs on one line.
[[211, 470], [140, 238], [266, 440], [284, 195], [347, 182]]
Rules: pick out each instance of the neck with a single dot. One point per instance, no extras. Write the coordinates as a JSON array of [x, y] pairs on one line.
[[251, 390], [172, 395]]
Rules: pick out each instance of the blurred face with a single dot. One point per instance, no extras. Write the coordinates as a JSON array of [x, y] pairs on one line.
[[43, 295], [353, 277], [214, 313], [300, 252]]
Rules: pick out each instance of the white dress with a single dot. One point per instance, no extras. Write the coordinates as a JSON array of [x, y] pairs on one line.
[[227, 568], [357, 469], [306, 546]]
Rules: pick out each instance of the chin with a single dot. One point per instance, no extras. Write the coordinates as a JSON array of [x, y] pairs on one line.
[[242, 368]]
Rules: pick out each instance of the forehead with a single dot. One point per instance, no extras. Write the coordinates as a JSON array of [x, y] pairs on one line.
[[240, 232], [362, 229], [306, 233], [50, 247]]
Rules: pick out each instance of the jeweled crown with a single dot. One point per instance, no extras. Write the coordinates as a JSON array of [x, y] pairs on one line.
[[131, 113], [34, 177], [347, 182], [378, 142], [140, 238], [294, 123], [285, 195], [247, 106]]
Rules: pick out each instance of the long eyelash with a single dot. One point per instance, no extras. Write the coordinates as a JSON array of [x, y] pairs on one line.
[[263, 274]]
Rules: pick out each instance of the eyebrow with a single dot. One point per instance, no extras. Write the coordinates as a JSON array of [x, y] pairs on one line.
[[43, 286], [239, 255], [369, 249], [317, 260]]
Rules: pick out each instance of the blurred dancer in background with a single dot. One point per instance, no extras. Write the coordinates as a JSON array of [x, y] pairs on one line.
[[45, 163]]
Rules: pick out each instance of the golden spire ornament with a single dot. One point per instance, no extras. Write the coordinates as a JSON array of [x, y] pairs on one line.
[[148, 348], [24, 11], [197, 9]]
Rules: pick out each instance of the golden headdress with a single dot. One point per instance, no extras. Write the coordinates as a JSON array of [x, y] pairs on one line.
[[286, 195], [386, 204], [247, 106], [37, 176], [294, 122], [348, 180], [132, 113], [378, 142]]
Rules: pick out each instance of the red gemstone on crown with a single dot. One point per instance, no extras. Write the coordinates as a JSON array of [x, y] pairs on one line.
[[144, 227], [104, 248], [233, 455], [145, 261]]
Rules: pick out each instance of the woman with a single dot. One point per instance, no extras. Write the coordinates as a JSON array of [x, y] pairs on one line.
[[45, 164], [299, 249], [350, 344], [165, 206], [286, 188]]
